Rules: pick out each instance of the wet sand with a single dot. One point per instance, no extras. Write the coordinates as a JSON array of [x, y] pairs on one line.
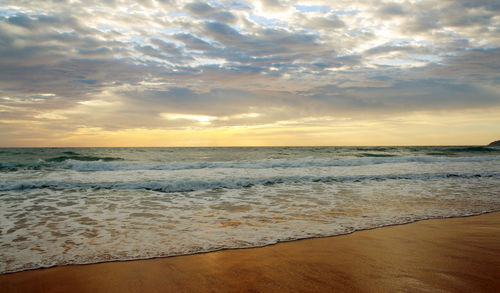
[[441, 255]]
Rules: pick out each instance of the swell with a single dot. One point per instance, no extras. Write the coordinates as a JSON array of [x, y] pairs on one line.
[[186, 185]]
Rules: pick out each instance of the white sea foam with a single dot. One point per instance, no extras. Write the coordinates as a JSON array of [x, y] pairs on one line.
[[185, 184], [44, 227]]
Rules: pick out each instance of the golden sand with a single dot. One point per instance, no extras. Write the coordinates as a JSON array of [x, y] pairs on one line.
[[441, 255]]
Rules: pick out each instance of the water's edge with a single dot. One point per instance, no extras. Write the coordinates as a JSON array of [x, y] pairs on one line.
[[257, 246]]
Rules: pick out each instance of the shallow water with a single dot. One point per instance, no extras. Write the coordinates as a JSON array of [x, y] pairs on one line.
[[83, 205]]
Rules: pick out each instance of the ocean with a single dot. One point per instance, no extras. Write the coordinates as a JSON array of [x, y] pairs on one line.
[[62, 206]]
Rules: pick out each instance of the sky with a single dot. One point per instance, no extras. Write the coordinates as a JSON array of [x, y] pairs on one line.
[[249, 73]]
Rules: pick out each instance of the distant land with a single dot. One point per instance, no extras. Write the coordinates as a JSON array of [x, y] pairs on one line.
[[495, 143]]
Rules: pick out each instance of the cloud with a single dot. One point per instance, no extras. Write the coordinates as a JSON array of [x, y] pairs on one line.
[[222, 59], [200, 8], [325, 22], [391, 9], [408, 96], [221, 31]]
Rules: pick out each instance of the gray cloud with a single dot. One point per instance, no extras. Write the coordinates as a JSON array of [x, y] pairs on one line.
[[400, 97], [200, 8], [326, 23], [391, 9]]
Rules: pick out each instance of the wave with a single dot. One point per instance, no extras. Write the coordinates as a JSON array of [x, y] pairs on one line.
[[186, 185], [77, 157], [376, 155], [473, 149], [88, 163], [71, 153], [454, 151], [12, 167], [377, 149]]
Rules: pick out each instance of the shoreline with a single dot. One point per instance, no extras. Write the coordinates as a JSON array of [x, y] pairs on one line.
[[460, 248], [250, 247]]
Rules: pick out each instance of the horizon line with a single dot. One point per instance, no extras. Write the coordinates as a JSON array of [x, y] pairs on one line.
[[249, 146]]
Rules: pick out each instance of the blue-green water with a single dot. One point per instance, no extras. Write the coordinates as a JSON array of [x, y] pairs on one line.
[[83, 205]]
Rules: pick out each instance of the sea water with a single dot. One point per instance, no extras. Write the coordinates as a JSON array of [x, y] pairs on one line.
[[63, 206]]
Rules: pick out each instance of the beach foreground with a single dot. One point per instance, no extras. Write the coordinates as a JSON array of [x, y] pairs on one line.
[[440, 255]]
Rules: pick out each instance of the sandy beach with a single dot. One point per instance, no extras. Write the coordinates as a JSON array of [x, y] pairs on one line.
[[439, 255]]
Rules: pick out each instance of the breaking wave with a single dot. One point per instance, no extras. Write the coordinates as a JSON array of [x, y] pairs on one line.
[[185, 185], [90, 163]]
